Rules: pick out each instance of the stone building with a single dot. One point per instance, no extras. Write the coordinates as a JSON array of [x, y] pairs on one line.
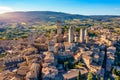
[[34, 72], [59, 28], [51, 46], [81, 35], [49, 70], [71, 35]]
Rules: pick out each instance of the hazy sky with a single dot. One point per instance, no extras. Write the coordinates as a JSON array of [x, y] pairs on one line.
[[84, 7]]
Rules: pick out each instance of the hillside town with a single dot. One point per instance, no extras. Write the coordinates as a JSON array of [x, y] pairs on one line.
[[62, 56]]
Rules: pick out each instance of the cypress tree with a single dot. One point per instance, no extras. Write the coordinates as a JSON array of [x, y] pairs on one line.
[[79, 76]]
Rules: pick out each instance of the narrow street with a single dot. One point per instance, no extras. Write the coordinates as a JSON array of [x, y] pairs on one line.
[[104, 64]]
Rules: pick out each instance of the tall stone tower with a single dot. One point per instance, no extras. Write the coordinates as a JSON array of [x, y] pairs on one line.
[[86, 38], [76, 38], [71, 34], [81, 35], [86, 33], [59, 29], [51, 46]]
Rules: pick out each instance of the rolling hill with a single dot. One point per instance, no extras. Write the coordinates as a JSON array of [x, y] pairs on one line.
[[33, 16]]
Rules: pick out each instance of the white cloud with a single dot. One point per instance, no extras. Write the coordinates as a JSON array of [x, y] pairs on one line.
[[4, 9]]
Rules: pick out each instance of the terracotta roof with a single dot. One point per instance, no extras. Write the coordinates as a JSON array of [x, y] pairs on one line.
[[74, 73]]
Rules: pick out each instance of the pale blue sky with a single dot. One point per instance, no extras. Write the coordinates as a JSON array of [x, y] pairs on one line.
[[84, 7]]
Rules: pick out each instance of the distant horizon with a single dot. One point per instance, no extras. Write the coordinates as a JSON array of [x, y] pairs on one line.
[[81, 7], [62, 12]]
